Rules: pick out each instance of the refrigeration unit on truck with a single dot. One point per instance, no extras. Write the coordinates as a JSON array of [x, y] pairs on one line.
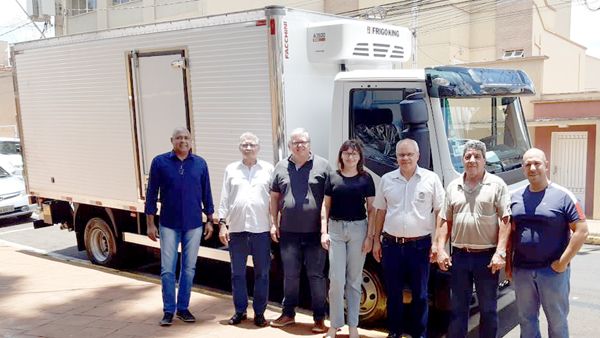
[[95, 108]]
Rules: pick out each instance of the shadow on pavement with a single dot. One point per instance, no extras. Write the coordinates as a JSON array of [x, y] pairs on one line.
[[7, 222], [87, 304]]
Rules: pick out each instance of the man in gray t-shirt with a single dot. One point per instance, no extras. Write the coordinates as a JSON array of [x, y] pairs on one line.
[[297, 194]]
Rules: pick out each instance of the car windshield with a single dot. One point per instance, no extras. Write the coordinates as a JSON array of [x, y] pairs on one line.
[[10, 148], [496, 121]]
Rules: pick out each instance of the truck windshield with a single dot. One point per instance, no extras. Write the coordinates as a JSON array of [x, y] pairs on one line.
[[496, 121]]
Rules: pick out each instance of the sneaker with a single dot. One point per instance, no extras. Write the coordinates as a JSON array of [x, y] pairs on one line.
[[319, 326], [260, 321], [186, 316], [237, 318], [167, 319], [282, 321]]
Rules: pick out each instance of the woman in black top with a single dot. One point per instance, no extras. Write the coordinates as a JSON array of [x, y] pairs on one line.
[[347, 233]]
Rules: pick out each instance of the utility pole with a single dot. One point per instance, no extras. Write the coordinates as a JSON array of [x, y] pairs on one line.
[[413, 28], [29, 17]]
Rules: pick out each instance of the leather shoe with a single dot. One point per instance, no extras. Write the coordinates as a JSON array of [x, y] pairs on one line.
[[237, 318], [186, 316], [319, 326], [260, 321]]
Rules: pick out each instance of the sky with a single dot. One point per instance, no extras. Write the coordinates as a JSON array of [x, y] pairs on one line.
[[585, 24], [11, 17]]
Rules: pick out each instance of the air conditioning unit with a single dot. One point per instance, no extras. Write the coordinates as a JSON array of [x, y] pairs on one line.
[[513, 54], [40, 10]]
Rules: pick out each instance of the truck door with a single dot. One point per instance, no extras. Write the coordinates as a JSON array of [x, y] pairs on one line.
[[158, 81], [376, 118]]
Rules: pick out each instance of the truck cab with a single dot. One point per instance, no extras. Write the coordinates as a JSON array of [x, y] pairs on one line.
[[441, 108]]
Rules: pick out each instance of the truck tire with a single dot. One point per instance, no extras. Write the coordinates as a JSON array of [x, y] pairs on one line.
[[100, 242], [373, 300]]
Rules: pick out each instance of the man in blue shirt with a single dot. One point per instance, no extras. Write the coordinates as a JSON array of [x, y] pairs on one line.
[[549, 229], [183, 182]]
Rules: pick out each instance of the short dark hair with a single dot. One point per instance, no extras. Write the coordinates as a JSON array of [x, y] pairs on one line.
[[357, 146]]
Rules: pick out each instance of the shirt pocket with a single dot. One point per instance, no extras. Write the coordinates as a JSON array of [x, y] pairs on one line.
[[261, 180], [486, 203], [423, 202]]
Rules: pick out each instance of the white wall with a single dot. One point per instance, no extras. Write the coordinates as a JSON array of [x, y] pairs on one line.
[[8, 113], [592, 73]]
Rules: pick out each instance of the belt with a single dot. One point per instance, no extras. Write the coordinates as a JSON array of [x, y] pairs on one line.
[[402, 240], [470, 250]]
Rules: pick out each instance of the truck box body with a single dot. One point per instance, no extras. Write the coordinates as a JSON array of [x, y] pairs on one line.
[[91, 121]]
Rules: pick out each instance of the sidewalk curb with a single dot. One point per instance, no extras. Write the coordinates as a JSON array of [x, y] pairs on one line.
[[593, 239]]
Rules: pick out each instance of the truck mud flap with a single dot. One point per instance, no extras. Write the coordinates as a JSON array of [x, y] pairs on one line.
[[55, 212]]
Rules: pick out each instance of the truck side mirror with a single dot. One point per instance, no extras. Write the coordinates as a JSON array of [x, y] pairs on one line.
[[415, 117]]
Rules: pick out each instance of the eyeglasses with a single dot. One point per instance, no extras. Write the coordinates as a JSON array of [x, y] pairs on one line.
[[348, 154], [405, 155], [300, 143], [248, 145]]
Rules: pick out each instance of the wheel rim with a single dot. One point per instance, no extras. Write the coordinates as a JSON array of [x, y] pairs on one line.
[[99, 245], [369, 295]]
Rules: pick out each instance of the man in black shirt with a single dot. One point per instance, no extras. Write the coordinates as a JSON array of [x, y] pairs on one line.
[[297, 194]]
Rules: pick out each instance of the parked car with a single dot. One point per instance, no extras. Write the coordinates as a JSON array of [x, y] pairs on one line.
[[13, 198], [10, 155]]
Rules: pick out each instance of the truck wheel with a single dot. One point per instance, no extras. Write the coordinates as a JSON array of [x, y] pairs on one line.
[[373, 299], [100, 242]]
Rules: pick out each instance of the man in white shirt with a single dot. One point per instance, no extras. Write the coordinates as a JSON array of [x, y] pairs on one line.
[[244, 226], [407, 202]]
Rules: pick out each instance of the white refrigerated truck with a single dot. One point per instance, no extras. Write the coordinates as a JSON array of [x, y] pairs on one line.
[[95, 108]]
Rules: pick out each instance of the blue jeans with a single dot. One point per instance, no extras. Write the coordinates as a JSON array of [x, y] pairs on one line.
[[468, 268], [297, 249], [550, 289], [169, 242], [346, 261], [258, 245], [406, 264]]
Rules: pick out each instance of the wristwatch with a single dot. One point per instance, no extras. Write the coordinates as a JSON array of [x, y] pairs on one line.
[[501, 254]]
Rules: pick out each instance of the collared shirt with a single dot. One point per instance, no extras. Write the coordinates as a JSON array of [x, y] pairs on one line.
[[245, 196], [184, 188], [302, 191], [474, 212], [409, 205]]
